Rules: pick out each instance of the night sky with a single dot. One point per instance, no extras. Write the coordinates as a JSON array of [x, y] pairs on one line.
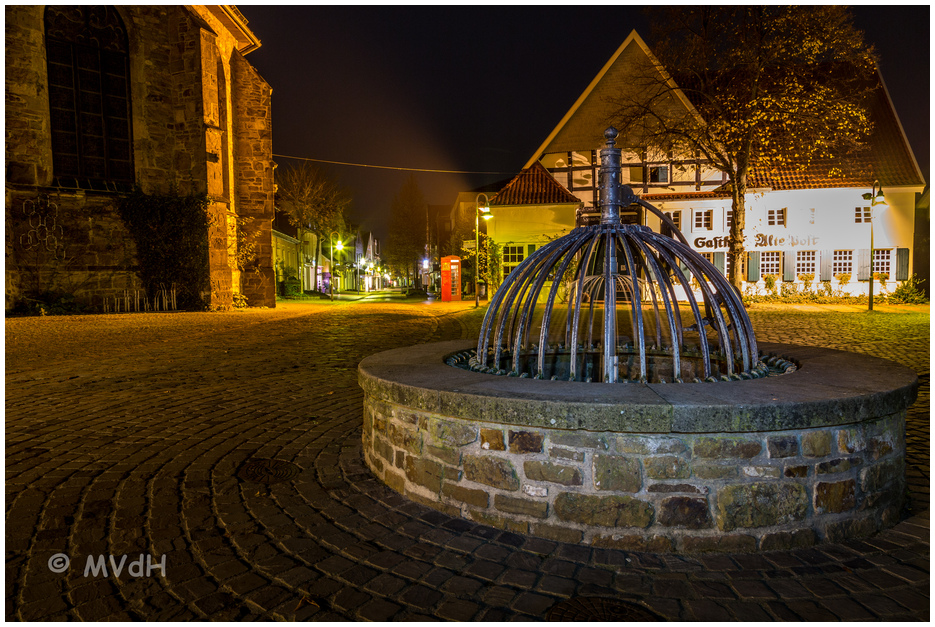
[[478, 88]]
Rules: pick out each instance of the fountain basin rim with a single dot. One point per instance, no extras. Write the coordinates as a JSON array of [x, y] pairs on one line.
[[829, 388]]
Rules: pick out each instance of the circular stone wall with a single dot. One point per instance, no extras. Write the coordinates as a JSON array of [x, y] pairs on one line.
[[774, 463]]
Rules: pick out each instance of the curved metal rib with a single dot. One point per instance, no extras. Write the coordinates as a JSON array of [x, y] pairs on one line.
[[638, 264]]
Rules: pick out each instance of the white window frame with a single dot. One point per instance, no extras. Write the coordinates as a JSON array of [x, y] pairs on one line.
[[706, 222], [862, 215], [883, 261], [776, 217], [806, 262], [770, 259], [842, 262], [512, 255]]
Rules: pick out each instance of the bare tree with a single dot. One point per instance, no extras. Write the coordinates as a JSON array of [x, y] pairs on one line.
[[766, 86], [313, 200]]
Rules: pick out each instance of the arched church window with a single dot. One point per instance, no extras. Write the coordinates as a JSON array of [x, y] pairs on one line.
[[89, 95]]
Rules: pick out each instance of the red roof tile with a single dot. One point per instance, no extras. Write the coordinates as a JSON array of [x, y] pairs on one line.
[[534, 186], [886, 158], [712, 195]]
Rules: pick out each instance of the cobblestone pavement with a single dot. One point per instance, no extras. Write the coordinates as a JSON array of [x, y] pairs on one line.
[[125, 433]]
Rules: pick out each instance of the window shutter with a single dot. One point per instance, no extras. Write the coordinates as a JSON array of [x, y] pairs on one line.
[[719, 262], [788, 265], [530, 249], [826, 257], [753, 266], [902, 264], [863, 264]]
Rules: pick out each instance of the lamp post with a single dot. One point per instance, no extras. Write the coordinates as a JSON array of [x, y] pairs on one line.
[[876, 200], [478, 210], [340, 246]]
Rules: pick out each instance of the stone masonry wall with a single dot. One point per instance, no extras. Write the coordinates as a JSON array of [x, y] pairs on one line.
[[680, 492], [175, 61], [253, 167]]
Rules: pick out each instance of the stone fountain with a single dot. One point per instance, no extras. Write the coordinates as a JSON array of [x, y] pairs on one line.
[[640, 414]]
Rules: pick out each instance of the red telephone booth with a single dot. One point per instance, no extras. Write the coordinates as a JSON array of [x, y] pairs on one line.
[[451, 278]]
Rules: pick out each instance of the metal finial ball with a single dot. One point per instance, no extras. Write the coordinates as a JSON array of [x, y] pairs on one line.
[[611, 133]]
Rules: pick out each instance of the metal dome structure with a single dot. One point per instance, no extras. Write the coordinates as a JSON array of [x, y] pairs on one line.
[[615, 272]]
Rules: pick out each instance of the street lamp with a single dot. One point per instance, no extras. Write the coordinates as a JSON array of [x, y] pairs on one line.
[[876, 200], [478, 210], [340, 246]]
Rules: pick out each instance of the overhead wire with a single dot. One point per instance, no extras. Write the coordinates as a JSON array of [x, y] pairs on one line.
[[388, 167]]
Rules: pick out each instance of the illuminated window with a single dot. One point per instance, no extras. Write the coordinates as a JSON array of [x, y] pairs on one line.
[[513, 254], [703, 220], [89, 93], [512, 257], [842, 262], [861, 214], [805, 262], [709, 257], [771, 262], [776, 217], [881, 260]]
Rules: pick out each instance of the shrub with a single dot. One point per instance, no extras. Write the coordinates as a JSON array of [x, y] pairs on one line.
[[881, 277], [843, 279], [908, 293], [806, 279], [769, 280]]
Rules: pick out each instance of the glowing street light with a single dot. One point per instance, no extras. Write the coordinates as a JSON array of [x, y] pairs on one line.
[[340, 246], [478, 210], [876, 200]]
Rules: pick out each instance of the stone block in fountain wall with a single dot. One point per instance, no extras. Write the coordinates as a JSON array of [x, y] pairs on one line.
[[714, 490]]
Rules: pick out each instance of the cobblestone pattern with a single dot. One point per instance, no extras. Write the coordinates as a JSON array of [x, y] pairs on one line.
[[124, 435]]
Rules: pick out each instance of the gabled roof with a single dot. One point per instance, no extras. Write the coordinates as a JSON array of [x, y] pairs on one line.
[[582, 128], [534, 186], [888, 159]]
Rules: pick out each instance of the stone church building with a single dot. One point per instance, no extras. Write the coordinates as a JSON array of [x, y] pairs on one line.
[[102, 98]]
